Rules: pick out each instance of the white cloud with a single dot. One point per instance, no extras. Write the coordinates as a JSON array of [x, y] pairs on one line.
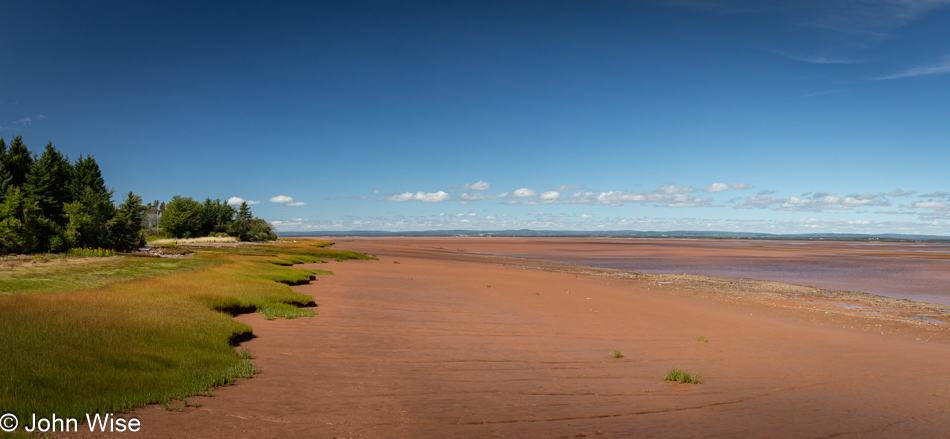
[[901, 193], [674, 189], [586, 215], [719, 187], [236, 201], [818, 59], [569, 188], [296, 204], [281, 199], [550, 197], [941, 67], [524, 193], [479, 186], [816, 202], [869, 21], [935, 205], [430, 197], [657, 198]]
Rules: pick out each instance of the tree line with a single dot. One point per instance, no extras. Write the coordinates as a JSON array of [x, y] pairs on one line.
[[48, 204], [184, 217]]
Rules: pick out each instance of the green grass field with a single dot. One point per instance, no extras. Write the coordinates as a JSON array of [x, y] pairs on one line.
[[108, 334]]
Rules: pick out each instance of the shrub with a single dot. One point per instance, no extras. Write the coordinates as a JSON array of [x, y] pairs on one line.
[[90, 252], [681, 376]]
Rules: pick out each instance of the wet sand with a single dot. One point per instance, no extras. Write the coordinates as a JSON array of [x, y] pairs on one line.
[[914, 271], [447, 343]]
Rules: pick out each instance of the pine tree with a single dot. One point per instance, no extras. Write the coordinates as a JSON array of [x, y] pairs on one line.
[[215, 216], [5, 177], [18, 160], [125, 228], [87, 175], [242, 222], [48, 182], [88, 219], [22, 228]]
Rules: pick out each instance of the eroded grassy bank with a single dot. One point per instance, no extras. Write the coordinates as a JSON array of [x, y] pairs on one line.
[[147, 338]]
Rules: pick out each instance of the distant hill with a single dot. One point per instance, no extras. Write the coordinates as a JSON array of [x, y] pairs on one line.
[[887, 237]]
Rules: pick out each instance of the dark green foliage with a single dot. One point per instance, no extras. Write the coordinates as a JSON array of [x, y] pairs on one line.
[[87, 219], [18, 160], [48, 182], [242, 222], [5, 177], [182, 217], [260, 231], [48, 204], [87, 176], [215, 216], [22, 228], [125, 228]]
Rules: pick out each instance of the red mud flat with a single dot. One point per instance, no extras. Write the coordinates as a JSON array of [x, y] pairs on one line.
[[452, 344], [914, 271]]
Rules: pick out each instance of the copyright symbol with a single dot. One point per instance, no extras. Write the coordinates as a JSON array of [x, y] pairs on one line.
[[8, 422]]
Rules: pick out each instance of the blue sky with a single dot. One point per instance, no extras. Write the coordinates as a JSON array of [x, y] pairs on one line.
[[760, 116]]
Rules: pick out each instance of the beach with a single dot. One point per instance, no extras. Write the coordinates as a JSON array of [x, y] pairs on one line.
[[449, 337]]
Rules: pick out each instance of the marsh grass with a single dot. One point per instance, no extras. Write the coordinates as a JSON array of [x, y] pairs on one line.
[[67, 274], [180, 241], [123, 343], [245, 354], [681, 376]]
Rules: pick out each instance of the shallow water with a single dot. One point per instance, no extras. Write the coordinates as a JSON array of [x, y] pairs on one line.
[[912, 271]]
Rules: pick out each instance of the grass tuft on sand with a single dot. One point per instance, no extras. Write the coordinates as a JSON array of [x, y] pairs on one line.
[[681, 376], [110, 334]]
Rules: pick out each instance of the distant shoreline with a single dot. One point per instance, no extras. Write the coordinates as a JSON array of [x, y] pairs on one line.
[[679, 234], [899, 270]]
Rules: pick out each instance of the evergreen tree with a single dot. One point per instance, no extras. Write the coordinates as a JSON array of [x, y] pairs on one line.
[[22, 228], [88, 219], [48, 182], [87, 175], [215, 216], [18, 160], [125, 228], [242, 222], [5, 177]]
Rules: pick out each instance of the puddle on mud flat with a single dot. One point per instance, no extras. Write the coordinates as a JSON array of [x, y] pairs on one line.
[[929, 318]]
